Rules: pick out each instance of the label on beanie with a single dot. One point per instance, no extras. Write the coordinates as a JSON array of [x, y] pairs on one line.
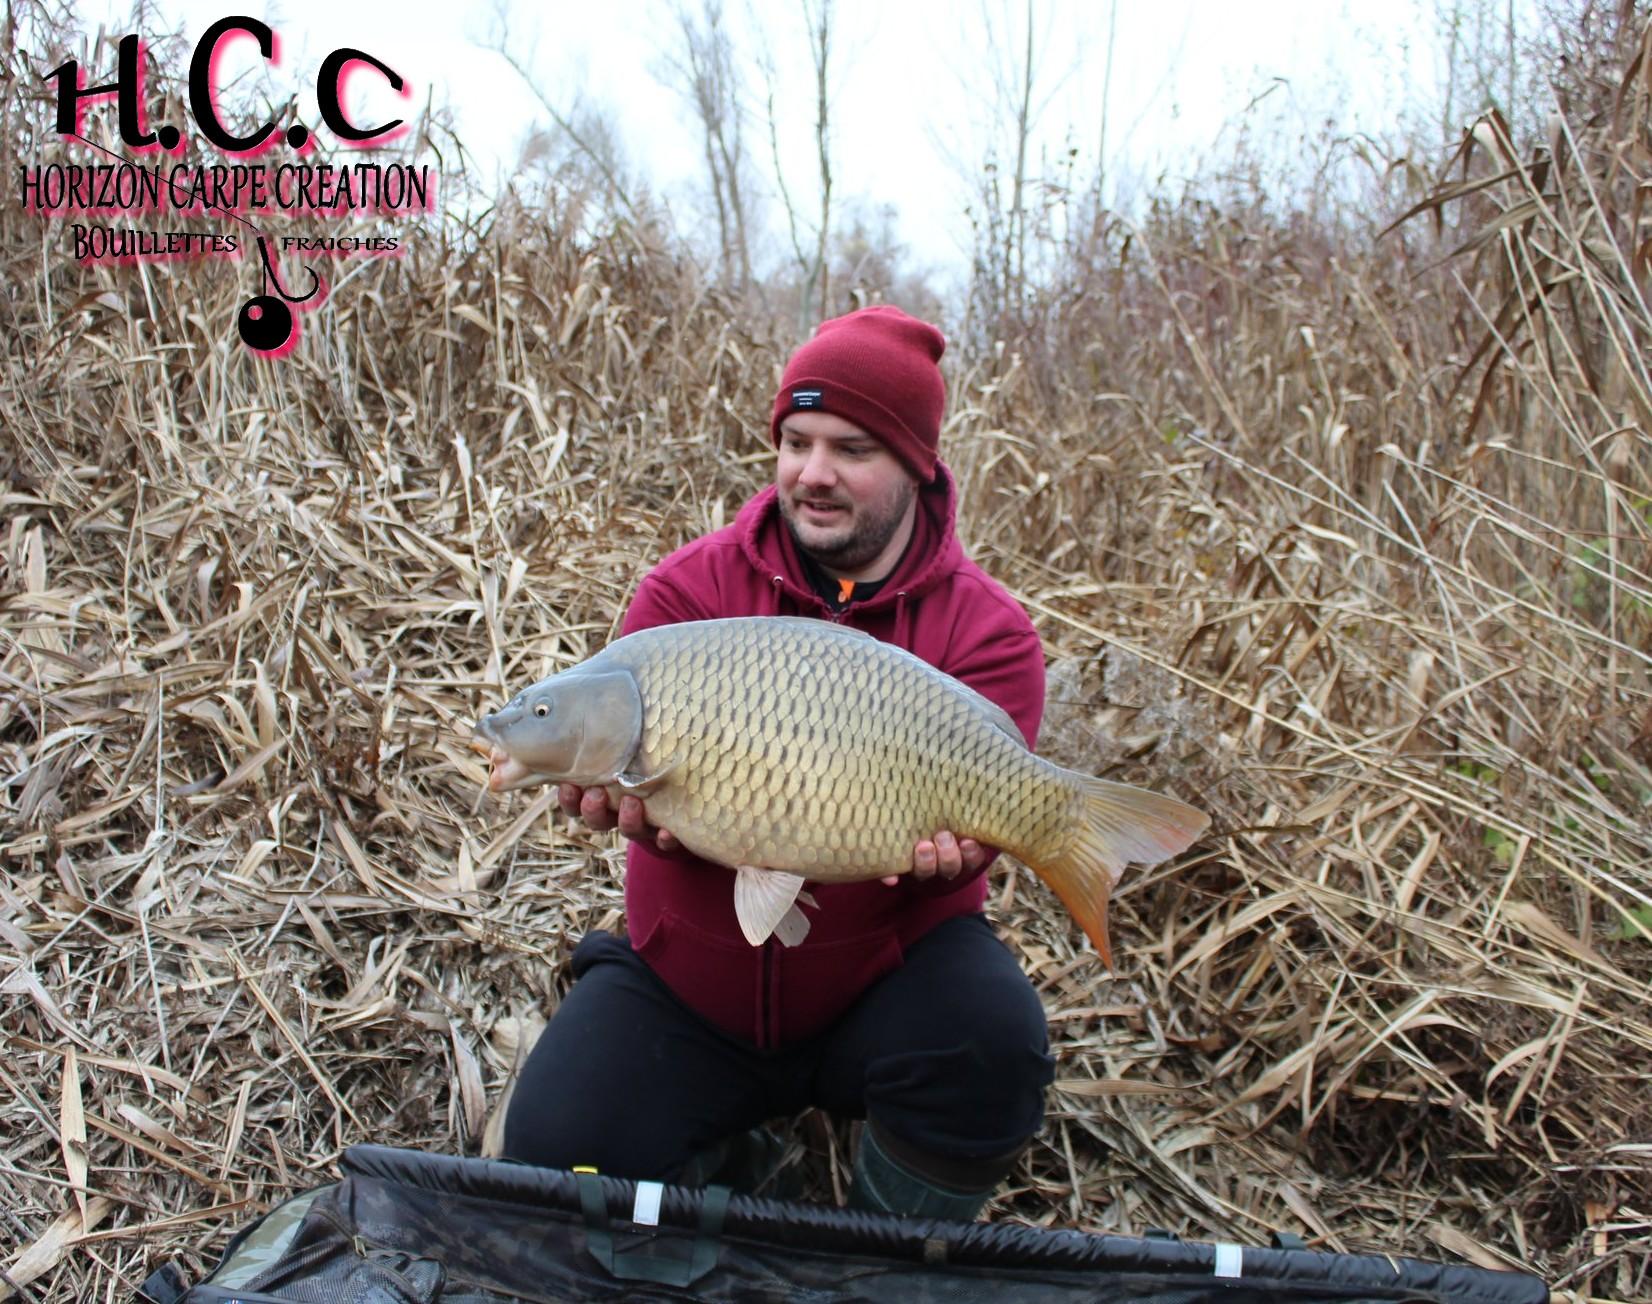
[[806, 398]]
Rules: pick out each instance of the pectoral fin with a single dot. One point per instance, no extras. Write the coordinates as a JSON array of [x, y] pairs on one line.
[[643, 785], [765, 902], [793, 927]]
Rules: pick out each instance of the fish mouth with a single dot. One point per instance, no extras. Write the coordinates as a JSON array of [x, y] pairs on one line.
[[504, 770]]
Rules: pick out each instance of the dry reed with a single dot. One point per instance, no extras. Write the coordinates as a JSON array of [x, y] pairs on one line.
[[1347, 543]]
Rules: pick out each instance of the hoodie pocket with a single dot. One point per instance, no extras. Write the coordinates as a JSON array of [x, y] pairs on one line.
[[718, 978]]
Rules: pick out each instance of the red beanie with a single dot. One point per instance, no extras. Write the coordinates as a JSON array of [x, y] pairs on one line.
[[878, 368]]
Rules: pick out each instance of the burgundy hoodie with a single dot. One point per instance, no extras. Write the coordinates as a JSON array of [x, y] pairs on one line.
[[680, 909]]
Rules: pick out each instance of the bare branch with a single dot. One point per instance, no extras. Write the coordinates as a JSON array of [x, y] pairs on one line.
[[563, 122], [820, 46], [709, 80]]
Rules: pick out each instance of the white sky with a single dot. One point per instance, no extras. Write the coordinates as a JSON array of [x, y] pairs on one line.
[[912, 95]]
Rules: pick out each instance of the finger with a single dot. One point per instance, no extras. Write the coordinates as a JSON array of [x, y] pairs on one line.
[[567, 797], [633, 821], [924, 860], [948, 861], [890, 880], [973, 853], [666, 840], [595, 811]]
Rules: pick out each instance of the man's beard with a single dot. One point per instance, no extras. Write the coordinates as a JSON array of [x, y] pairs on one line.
[[875, 526]]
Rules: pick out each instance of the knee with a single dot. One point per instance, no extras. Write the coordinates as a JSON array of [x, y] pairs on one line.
[[549, 1128], [1004, 1064], [999, 1048], [984, 1096], [1008, 1030], [560, 1132], [530, 1137], [971, 1075], [581, 1099]]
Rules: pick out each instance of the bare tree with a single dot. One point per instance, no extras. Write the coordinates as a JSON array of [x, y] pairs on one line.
[[820, 47], [1482, 63], [813, 267], [705, 68], [870, 264], [1106, 96], [589, 132], [1016, 233], [1004, 213]]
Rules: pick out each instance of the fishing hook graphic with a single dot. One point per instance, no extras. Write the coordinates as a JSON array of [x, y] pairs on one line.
[[265, 323]]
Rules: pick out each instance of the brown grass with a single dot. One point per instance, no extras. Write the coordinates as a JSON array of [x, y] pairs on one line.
[[1343, 538]]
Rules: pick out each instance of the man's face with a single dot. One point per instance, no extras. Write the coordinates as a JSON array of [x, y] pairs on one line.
[[842, 493]]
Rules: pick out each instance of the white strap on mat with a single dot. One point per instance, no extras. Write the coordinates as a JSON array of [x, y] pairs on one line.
[[645, 1209]]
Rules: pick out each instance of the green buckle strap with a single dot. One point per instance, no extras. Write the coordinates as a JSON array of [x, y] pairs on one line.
[[653, 1261]]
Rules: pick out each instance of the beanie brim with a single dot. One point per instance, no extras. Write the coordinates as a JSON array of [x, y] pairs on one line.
[[864, 411], [879, 368]]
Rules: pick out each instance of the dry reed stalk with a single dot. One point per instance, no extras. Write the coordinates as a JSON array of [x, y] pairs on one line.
[[1351, 551]]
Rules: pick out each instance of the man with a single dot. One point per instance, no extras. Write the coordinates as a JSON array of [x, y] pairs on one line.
[[900, 1006]]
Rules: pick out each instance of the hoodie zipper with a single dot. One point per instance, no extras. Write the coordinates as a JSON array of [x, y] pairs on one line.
[[765, 1031], [767, 1034]]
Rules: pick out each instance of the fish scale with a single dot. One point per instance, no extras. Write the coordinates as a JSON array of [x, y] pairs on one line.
[[782, 744], [773, 751], [764, 714]]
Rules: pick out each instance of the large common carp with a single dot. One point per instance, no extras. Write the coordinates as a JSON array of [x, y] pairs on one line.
[[793, 750]]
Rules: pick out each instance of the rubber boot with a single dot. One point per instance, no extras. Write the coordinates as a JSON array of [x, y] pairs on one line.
[[884, 1184]]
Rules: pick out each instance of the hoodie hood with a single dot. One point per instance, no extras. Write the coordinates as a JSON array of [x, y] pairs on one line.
[[933, 554]]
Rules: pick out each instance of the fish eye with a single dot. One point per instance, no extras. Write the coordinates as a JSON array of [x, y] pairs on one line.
[[542, 710]]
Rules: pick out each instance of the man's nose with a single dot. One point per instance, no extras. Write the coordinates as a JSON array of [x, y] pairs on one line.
[[818, 468]]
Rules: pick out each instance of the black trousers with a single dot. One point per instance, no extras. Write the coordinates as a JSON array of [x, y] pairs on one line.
[[949, 1053]]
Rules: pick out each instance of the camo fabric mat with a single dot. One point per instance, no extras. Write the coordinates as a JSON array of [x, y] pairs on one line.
[[407, 1228]]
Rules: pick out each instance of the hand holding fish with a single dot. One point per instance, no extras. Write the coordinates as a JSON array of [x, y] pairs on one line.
[[945, 854], [591, 805]]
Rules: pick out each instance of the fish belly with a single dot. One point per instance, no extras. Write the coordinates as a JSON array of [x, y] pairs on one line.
[[802, 746]]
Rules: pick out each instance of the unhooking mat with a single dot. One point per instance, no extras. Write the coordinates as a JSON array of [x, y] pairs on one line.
[[404, 1227]]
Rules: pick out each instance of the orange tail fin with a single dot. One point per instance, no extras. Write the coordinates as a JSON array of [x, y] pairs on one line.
[[1120, 824]]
